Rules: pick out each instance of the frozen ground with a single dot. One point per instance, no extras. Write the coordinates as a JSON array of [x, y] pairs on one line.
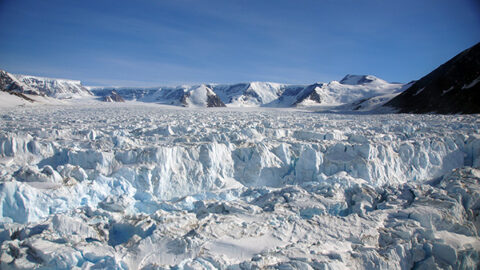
[[132, 187]]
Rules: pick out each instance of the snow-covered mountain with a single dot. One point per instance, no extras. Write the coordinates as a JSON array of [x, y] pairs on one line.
[[373, 103], [10, 83], [296, 95], [264, 94], [361, 79], [202, 96], [186, 96], [56, 88], [251, 94], [349, 89]]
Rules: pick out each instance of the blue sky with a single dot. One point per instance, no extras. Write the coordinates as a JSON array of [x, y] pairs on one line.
[[169, 42]]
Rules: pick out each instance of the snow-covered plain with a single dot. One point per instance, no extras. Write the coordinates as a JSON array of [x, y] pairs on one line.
[[125, 186]]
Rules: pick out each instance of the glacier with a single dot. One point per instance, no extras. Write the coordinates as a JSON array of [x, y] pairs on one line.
[[138, 186]]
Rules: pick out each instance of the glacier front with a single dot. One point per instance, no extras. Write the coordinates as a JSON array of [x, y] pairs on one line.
[[124, 186]]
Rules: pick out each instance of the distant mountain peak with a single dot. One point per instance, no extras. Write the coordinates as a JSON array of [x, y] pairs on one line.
[[351, 79]]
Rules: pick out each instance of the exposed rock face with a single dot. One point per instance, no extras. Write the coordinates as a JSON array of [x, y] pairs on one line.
[[113, 97], [214, 101], [56, 88], [9, 83], [309, 93], [454, 87], [6, 82], [184, 99]]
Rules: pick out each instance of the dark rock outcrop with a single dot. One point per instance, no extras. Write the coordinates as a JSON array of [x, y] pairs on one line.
[[113, 97], [214, 101], [7, 83], [10, 84], [13, 87], [454, 87], [309, 93]]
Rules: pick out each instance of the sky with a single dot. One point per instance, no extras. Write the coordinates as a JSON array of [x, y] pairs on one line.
[[172, 42]]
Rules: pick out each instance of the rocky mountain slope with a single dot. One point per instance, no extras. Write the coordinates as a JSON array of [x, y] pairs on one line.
[[113, 97], [56, 88], [454, 87], [10, 83]]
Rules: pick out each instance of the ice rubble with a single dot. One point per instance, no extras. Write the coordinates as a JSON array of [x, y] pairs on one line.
[[132, 187]]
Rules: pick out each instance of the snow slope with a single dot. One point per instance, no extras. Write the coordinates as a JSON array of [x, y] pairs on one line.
[[11, 100], [144, 187], [374, 104], [337, 93], [14, 99]]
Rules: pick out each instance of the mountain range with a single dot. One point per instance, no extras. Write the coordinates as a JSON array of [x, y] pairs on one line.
[[452, 88], [261, 94]]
